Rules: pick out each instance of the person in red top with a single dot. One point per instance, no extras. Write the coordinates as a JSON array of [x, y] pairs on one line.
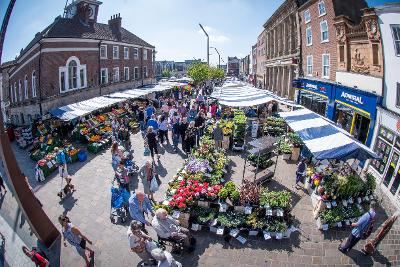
[[36, 257], [213, 109]]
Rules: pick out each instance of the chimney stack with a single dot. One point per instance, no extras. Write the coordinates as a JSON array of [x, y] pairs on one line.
[[115, 24]]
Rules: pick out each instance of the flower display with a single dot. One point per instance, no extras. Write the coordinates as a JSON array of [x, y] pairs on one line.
[[197, 165]]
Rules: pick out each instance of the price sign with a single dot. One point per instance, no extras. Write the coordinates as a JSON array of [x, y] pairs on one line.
[[334, 204], [325, 227], [220, 231], [371, 197], [195, 227], [234, 232], [176, 214], [279, 235], [366, 198], [347, 222], [253, 233], [224, 171], [202, 203], [279, 213], [339, 224], [344, 202], [268, 212], [214, 222], [293, 229], [267, 235], [207, 175], [350, 201], [328, 205], [359, 200], [223, 207], [247, 210], [241, 239]]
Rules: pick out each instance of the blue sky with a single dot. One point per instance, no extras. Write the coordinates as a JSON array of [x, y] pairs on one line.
[[170, 25]]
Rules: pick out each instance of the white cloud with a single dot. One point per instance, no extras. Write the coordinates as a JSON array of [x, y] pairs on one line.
[[215, 35]]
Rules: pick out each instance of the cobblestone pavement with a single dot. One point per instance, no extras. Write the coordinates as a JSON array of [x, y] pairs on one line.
[[89, 209]]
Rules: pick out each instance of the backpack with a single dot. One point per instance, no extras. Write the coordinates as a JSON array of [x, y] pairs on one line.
[[367, 230]]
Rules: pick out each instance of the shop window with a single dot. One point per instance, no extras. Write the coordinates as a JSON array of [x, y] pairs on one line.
[[314, 103], [104, 76], [395, 183], [396, 38], [309, 36], [324, 31], [341, 53], [375, 54], [325, 65], [321, 8], [392, 167], [307, 16], [103, 51], [398, 95], [343, 117], [126, 73], [34, 93], [361, 127], [382, 149]]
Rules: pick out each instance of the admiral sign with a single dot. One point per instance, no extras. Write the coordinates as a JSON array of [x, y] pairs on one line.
[[352, 98]]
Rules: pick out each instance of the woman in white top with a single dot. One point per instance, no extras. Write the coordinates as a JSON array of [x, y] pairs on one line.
[[139, 242]]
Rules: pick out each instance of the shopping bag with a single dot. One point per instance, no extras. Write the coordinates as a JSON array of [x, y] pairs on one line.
[[146, 152], [154, 184]]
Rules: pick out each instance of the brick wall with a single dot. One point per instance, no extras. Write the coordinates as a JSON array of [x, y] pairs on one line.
[[317, 48]]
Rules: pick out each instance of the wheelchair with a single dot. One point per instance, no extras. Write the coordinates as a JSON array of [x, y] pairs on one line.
[[177, 246]]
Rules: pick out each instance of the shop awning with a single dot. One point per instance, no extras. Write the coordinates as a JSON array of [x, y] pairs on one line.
[[239, 94], [72, 111], [323, 138]]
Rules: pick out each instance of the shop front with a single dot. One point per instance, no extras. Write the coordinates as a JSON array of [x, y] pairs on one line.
[[387, 146], [355, 111], [351, 109], [315, 95]]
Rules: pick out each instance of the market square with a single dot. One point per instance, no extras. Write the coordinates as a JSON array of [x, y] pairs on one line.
[[114, 155]]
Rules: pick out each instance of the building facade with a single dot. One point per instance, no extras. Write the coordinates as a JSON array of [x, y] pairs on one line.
[[5, 93], [282, 49], [318, 42], [260, 61], [387, 133], [352, 99], [233, 66], [244, 65], [76, 58]]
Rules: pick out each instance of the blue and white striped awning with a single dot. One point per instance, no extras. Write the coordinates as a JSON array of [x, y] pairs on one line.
[[323, 138]]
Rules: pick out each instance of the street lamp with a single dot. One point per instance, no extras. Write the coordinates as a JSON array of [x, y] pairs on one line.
[[208, 44], [219, 57]]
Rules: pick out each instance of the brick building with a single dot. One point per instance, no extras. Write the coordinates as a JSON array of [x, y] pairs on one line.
[[318, 44], [76, 58], [282, 49], [233, 66]]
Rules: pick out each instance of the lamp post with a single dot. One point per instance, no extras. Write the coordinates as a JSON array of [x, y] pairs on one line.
[[208, 44], [219, 57]]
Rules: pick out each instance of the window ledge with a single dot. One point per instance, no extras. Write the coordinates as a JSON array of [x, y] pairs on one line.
[[325, 41], [322, 15], [309, 44]]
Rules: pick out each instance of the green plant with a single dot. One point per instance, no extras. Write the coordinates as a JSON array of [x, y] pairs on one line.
[[223, 193], [235, 196], [285, 148], [276, 199], [295, 139], [231, 219], [370, 183]]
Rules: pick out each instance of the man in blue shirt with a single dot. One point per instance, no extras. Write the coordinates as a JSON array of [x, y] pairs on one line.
[[359, 227], [153, 123], [139, 204], [149, 111]]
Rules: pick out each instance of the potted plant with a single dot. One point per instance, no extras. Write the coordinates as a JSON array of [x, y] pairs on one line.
[[286, 150], [297, 144], [249, 194]]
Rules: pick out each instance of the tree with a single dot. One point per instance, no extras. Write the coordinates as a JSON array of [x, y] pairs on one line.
[[201, 72], [166, 73]]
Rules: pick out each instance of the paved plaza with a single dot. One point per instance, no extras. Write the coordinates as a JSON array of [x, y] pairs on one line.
[[89, 209]]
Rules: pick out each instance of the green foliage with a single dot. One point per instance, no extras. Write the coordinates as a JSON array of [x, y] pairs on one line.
[[204, 215], [201, 72], [295, 139], [276, 199], [166, 73], [231, 219], [370, 183], [340, 213], [229, 191], [216, 73]]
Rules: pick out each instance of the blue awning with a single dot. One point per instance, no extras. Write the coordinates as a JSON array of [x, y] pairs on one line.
[[324, 139]]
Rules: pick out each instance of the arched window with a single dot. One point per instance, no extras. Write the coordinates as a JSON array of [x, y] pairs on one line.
[[72, 74], [34, 94], [26, 87]]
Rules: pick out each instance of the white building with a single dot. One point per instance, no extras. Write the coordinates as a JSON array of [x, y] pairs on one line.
[[387, 133]]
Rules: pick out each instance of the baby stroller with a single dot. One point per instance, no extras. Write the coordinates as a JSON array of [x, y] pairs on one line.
[[129, 164], [119, 204]]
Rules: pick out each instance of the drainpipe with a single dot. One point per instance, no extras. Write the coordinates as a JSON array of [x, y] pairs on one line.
[[141, 64], [39, 79], [99, 70]]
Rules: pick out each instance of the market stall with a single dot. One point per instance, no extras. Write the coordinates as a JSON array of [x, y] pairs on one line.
[[201, 199], [338, 192]]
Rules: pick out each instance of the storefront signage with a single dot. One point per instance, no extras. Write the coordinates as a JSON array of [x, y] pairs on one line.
[[352, 98], [311, 86]]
